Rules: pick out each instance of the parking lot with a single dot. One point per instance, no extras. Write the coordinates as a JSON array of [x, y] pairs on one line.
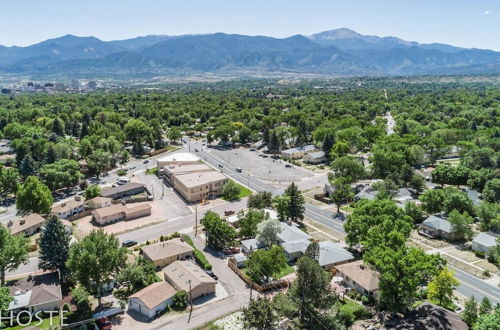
[[262, 166]]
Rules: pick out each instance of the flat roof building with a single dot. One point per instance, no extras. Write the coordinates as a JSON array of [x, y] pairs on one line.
[[164, 253], [199, 185], [188, 276], [179, 158], [119, 212]]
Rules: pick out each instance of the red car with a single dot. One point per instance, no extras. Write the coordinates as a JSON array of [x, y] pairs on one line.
[[228, 212], [104, 323], [232, 250]]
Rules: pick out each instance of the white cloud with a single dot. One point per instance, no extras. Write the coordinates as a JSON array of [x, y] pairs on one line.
[[488, 12]]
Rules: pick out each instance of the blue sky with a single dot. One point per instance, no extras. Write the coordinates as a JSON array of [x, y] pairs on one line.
[[467, 23]]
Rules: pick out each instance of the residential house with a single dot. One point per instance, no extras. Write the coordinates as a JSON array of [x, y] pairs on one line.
[[484, 242], [164, 253], [295, 249], [359, 277], [194, 187], [119, 212], [332, 254], [291, 233], [188, 276], [5, 147], [240, 261], [299, 152], [123, 191], [68, 209], [152, 300], [436, 226], [316, 157], [249, 245], [36, 293], [98, 202], [28, 225], [370, 195], [474, 196]]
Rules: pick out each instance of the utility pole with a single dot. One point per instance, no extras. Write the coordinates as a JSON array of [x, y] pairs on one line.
[[195, 220], [190, 299]]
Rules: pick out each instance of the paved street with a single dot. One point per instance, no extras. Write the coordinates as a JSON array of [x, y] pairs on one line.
[[470, 285]]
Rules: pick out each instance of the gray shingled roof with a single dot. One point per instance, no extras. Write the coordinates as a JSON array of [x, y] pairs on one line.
[[438, 224], [291, 233], [485, 239], [332, 253]]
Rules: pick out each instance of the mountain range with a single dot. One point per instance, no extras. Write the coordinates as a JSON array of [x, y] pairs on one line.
[[340, 52]]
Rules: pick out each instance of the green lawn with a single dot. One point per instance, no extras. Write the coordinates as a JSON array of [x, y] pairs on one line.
[[284, 272], [56, 321], [244, 191], [347, 208]]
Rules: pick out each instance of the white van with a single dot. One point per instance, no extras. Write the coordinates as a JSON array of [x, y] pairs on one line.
[[123, 180]]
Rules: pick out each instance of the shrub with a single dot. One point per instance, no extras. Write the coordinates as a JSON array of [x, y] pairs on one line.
[[198, 255], [121, 172], [479, 254], [365, 299], [486, 273], [180, 300]]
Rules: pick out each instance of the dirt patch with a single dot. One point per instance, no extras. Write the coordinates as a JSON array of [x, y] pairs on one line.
[[418, 245], [463, 266], [322, 228], [487, 265], [431, 242], [466, 256]]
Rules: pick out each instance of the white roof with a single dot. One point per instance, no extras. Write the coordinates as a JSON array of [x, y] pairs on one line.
[[180, 157]]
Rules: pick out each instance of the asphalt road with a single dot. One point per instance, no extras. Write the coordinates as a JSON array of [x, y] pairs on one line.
[[470, 285]]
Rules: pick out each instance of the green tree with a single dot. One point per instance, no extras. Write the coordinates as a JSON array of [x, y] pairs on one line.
[[54, 246], [80, 297], [265, 264], [457, 200], [267, 232], [340, 149], [312, 251], [231, 190], [470, 312], [461, 223], [94, 259], [373, 222], [5, 299], [349, 168], [134, 277], [296, 204], [281, 203], [180, 300], [441, 287], [311, 291], [342, 191], [92, 191], [33, 197], [260, 200], [137, 131], [9, 181], [402, 270], [220, 234], [485, 307], [63, 173], [259, 315], [491, 191], [489, 213], [432, 200], [413, 211], [98, 161], [28, 166], [488, 321], [13, 252], [249, 221], [174, 134]]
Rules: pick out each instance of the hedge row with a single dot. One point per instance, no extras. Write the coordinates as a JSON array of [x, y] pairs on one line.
[[198, 255]]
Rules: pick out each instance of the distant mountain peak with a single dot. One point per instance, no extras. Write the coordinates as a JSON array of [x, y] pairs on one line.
[[336, 34]]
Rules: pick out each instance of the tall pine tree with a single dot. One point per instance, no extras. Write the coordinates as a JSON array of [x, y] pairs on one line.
[[54, 246], [296, 202]]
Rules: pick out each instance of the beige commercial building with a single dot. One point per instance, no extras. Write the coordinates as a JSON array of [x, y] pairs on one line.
[[199, 185], [183, 275], [164, 253], [179, 158], [28, 225], [119, 212], [173, 170]]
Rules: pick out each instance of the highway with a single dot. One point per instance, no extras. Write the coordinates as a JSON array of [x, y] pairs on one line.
[[470, 285]]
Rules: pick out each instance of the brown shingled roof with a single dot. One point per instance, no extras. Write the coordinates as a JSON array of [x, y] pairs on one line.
[[166, 249], [154, 294], [360, 273]]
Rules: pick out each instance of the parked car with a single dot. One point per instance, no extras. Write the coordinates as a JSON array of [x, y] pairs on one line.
[[288, 165], [129, 243], [145, 161], [196, 150], [104, 323], [228, 212], [211, 274], [253, 149], [265, 156], [221, 166], [239, 170], [231, 250]]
